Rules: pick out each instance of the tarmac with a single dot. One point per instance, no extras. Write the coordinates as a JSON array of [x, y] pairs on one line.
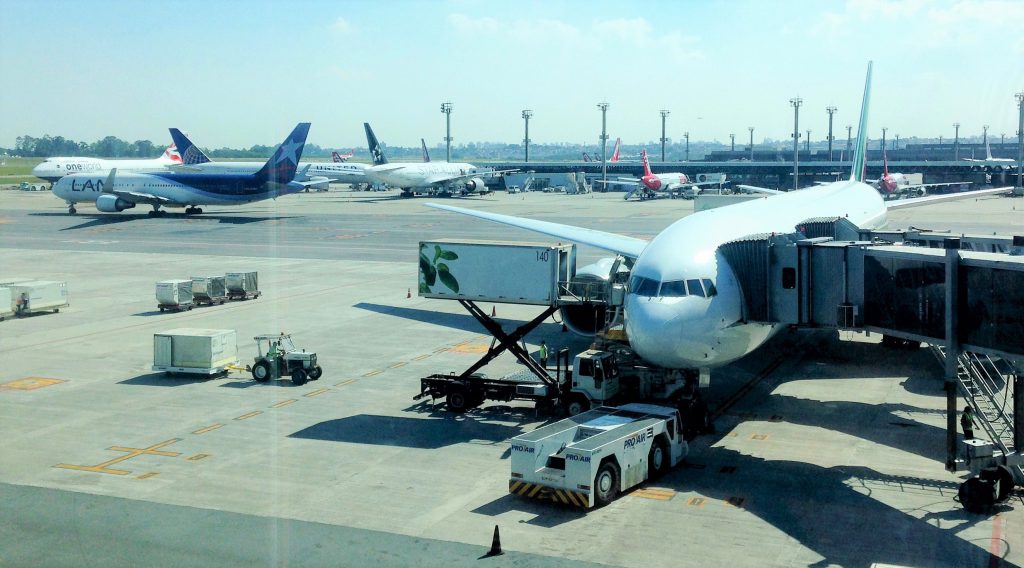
[[828, 448]]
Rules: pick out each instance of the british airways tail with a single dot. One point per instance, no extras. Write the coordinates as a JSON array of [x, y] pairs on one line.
[[170, 155], [860, 151], [189, 152], [375, 150], [281, 166]]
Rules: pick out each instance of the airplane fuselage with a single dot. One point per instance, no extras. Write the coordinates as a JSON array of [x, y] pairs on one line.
[[341, 172], [418, 174], [179, 189], [685, 324], [665, 182], [53, 169]]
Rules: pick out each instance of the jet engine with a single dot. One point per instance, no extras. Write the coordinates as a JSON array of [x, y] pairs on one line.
[[112, 204], [475, 185], [593, 281]]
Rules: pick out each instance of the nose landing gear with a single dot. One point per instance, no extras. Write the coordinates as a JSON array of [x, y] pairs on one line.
[[193, 210]]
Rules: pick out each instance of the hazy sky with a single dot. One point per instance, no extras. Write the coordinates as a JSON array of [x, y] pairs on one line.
[[243, 73]]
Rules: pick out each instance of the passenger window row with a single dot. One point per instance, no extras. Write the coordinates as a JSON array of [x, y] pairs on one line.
[[647, 287]]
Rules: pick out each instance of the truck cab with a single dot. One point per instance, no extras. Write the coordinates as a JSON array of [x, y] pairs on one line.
[[595, 380]]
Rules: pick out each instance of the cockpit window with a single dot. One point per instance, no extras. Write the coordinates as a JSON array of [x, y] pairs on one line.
[[643, 286], [673, 289], [694, 288], [709, 287]]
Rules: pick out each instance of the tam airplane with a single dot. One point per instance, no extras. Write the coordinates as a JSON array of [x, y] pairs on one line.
[[651, 183], [53, 169], [115, 192], [895, 184], [456, 178], [193, 159], [684, 307]]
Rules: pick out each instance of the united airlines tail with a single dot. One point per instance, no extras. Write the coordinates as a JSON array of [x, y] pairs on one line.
[[189, 152], [281, 167], [860, 151], [375, 150]]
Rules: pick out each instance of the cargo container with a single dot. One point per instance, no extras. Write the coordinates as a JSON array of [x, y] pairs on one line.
[[242, 285], [465, 270], [174, 295], [200, 351], [6, 303], [38, 296], [209, 290]]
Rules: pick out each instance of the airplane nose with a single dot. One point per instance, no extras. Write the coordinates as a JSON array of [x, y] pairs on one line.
[[667, 333]]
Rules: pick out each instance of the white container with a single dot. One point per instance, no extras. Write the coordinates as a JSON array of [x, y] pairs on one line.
[[242, 283], [511, 273], [43, 295], [6, 303], [174, 292], [208, 288], [189, 350]]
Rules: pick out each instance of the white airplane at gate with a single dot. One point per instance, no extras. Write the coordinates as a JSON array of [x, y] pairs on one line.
[[52, 169], [684, 307]]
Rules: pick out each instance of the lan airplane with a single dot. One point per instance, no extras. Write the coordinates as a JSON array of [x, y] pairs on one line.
[[52, 169], [455, 178], [312, 173], [116, 192], [683, 307]]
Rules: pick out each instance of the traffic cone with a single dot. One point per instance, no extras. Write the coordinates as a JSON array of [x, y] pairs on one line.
[[494, 311], [495, 544], [408, 294]]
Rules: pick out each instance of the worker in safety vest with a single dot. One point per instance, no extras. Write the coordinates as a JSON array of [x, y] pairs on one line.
[[543, 354], [967, 423]]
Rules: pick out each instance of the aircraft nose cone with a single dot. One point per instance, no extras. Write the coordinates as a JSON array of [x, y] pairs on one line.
[[662, 333]]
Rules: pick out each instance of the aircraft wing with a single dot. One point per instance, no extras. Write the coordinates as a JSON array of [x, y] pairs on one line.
[[447, 178], [756, 189], [920, 201], [618, 181], [144, 198], [927, 185], [626, 246]]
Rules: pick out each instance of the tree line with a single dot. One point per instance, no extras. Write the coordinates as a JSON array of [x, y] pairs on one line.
[[114, 147]]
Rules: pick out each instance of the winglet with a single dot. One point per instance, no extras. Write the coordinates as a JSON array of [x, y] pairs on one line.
[[108, 186], [282, 165], [375, 150], [189, 152], [860, 151]]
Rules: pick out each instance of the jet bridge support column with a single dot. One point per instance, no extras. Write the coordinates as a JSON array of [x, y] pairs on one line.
[[952, 247], [1018, 411]]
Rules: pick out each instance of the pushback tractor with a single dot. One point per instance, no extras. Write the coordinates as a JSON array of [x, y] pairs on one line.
[[590, 459], [277, 357]]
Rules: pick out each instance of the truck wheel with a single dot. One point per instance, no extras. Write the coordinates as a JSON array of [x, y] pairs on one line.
[[658, 460], [261, 372], [606, 484], [457, 401], [298, 377], [576, 404], [315, 373]]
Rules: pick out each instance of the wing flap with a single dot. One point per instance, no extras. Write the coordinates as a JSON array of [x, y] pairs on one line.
[[626, 246], [757, 189], [921, 201]]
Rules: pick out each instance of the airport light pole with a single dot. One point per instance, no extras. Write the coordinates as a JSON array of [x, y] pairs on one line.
[[732, 144], [687, 136], [446, 108], [984, 134], [830, 110], [604, 143], [897, 145], [849, 141], [884, 130], [807, 144], [527, 113], [751, 129], [956, 141], [1020, 145], [664, 115], [796, 102]]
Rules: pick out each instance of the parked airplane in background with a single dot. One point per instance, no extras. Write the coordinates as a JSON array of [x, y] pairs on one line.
[[426, 155], [116, 192], [52, 169], [897, 184], [455, 178], [615, 153], [684, 306], [340, 158], [989, 158], [313, 174], [651, 183]]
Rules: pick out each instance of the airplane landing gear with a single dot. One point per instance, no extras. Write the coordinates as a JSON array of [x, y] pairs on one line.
[[193, 210], [72, 210], [157, 212]]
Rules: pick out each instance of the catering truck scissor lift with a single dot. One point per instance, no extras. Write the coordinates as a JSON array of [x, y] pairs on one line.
[[589, 459]]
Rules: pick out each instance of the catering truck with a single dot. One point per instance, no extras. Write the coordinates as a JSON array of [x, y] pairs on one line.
[[589, 459]]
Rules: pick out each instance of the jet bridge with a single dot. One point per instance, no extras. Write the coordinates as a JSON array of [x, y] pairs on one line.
[[962, 295]]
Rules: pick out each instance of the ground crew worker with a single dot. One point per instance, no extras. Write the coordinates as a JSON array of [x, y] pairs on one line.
[[272, 352], [967, 423], [543, 354]]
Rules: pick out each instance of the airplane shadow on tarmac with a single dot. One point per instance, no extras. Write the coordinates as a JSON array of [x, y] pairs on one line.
[[464, 322], [407, 432], [99, 220]]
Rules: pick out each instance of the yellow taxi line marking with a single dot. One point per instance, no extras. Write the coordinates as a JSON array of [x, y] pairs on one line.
[[249, 415], [397, 365], [153, 450], [343, 383], [656, 494], [209, 428], [421, 357], [197, 457], [147, 475], [373, 373], [284, 403], [30, 383], [317, 392], [696, 501]]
